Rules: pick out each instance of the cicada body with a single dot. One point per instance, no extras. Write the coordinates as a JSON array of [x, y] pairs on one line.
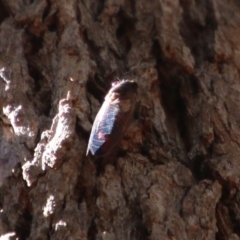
[[113, 118]]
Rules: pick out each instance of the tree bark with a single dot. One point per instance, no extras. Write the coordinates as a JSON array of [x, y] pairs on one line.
[[176, 174]]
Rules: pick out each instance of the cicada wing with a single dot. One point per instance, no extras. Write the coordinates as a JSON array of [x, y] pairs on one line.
[[102, 129]]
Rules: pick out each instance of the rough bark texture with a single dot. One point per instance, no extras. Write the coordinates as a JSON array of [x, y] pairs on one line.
[[177, 173]]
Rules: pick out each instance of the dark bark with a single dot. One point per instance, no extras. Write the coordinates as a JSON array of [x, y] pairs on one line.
[[176, 173]]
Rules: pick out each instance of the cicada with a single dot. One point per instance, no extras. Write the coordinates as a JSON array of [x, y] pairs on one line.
[[113, 118]]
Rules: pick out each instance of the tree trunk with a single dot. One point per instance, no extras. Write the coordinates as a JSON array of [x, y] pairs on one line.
[[176, 174]]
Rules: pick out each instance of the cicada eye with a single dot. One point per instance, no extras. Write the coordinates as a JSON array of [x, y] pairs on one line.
[[114, 83], [117, 82]]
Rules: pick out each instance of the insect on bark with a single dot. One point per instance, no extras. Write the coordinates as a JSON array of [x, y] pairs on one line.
[[113, 118]]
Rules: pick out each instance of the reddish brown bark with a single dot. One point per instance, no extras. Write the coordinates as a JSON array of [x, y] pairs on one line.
[[176, 175]]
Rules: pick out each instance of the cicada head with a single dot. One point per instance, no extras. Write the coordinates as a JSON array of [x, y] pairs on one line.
[[124, 88]]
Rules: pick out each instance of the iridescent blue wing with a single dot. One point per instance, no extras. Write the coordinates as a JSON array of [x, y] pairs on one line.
[[102, 130]]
